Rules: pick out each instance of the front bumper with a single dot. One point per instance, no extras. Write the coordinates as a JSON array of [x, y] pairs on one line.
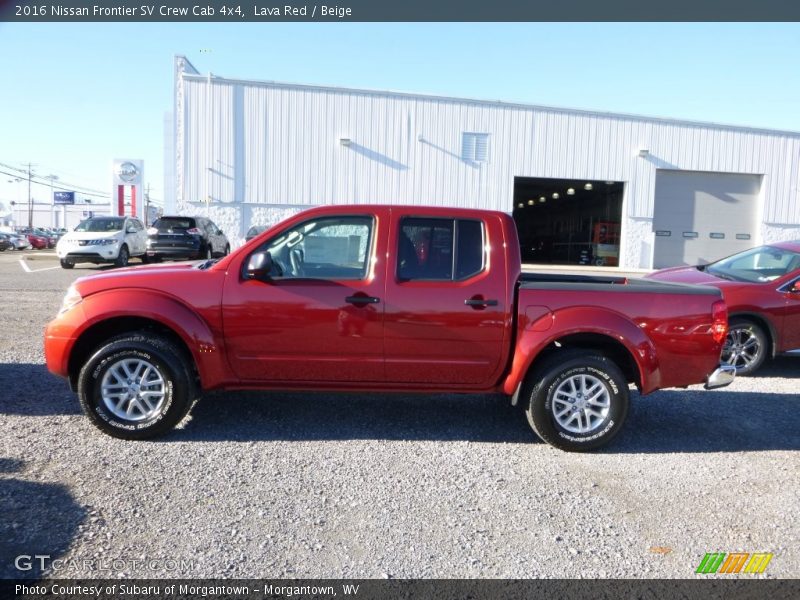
[[722, 376], [166, 252]]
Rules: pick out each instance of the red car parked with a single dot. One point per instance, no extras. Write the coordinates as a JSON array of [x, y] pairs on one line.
[[761, 287], [37, 242]]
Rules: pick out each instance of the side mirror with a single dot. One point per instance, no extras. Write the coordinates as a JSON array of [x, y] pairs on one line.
[[259, 266], [795, 287]]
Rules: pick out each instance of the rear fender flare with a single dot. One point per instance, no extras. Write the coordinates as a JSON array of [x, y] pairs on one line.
[[583, 320]]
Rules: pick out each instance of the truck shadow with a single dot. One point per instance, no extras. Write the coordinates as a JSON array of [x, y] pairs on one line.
[[720, 421], [296, 416], [37, 519], [31, 390], [665, 422]]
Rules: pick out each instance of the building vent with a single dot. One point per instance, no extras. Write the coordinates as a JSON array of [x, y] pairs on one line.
[[475, 147]]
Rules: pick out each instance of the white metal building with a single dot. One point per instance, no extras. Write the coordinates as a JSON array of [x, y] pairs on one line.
[[583, 186]]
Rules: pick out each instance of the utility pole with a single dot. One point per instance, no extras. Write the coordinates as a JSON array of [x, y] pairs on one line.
[[52, 178], [30, 199], [147, 206]]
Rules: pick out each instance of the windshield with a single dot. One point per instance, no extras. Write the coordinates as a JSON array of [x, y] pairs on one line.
[[758, 265], [100, 225]]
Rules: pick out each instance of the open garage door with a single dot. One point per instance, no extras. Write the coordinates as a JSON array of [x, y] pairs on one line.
[[568, 221], [702, 217]]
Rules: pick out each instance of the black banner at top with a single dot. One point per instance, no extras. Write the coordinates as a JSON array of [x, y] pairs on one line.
[[397, 10]]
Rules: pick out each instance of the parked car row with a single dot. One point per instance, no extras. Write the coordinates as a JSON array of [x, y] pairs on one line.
[[12, 241], [115, 240]]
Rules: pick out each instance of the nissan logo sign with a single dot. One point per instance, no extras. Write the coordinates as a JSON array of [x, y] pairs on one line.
[[127, 171]]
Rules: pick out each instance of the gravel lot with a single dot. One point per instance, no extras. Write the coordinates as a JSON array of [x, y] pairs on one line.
[[367, 486]]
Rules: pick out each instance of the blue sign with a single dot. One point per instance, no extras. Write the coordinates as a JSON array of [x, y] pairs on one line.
[[63, 197]]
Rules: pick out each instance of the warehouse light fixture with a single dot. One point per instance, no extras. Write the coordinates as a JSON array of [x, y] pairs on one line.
[[555, 196], [588, 187], [520, 205], [542, 198], [345, 141], [530, 202], [570, 191]]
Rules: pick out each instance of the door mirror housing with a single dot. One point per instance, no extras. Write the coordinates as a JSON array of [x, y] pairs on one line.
[[259, 266]]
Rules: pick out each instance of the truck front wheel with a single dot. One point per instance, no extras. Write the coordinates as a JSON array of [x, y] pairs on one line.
[[136, 386], [577, 400]]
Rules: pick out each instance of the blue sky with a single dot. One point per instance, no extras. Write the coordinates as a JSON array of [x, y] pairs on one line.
[[75, 96]]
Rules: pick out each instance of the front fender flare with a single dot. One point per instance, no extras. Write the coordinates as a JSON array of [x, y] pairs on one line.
[[205, 347]]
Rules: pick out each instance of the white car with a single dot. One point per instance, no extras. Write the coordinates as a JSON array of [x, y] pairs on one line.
[[103, 240]]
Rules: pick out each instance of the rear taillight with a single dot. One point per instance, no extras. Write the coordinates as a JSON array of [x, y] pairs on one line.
[[719, 321], [193, 231]]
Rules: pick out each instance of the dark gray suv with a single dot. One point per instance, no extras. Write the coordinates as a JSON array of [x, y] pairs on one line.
[[176, 237]]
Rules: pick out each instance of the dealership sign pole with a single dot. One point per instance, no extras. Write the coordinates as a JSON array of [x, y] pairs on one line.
[[127, 172]]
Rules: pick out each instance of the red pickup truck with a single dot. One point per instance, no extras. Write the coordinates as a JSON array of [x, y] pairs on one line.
[[383, 298]]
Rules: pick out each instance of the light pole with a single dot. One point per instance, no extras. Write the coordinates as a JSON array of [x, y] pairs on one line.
[[52, 178]]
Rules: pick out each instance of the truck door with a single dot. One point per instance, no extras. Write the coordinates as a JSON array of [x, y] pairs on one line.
[[320, 316], [446, 305]]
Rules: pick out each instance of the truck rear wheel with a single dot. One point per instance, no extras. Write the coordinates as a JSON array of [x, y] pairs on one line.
[[577, 400], [136, 386]]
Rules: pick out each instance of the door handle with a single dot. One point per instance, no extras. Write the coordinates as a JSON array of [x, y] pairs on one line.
[[362, 300], [480, 302]]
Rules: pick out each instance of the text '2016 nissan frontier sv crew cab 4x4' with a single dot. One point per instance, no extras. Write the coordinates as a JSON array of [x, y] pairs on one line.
[[382, 298]]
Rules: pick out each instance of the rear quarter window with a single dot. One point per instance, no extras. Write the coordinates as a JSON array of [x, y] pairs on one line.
[[165, 224]]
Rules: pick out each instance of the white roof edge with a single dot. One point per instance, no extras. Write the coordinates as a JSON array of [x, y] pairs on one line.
[[499, 103], [188, 62]]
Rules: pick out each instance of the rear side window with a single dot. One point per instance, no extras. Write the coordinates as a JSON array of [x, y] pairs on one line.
[[174, 223], [440, 249]]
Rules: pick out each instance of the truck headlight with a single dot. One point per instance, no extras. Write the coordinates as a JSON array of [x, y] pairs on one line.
[[71, 299]]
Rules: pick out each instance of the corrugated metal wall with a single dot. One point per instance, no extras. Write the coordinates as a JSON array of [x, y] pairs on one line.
[[266, 143]]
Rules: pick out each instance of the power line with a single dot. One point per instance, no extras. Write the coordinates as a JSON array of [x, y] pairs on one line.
[[71, 186]]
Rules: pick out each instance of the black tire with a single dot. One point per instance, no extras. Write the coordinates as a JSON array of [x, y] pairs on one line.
[[166, 363], [746, 346], [122, 257], [209, 252], [546, 393], [66, 263], [145, 259]]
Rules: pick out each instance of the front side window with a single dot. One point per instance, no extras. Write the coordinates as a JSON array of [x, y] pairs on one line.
[[440, 249], [325, 248]]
